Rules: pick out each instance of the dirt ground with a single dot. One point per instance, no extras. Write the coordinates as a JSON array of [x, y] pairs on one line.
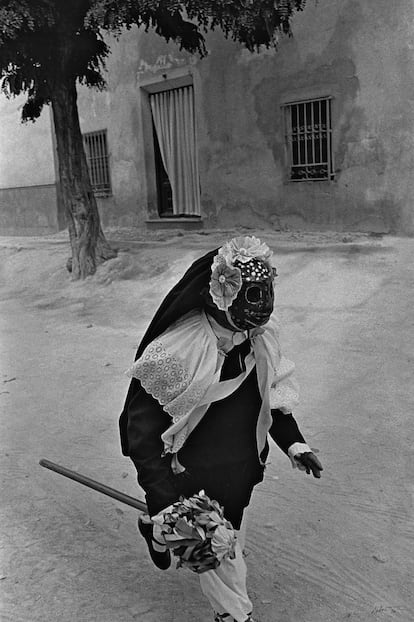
[[339, 549]]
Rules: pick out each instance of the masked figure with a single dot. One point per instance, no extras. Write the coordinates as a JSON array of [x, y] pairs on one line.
[[209, 386]]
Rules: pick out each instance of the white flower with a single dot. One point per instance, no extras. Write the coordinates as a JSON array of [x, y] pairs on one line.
[[225, 284], [243, 248]]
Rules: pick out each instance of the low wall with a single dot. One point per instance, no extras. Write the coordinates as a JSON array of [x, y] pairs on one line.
[[29, 210]]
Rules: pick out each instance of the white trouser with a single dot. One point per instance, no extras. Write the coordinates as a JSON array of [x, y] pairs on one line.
[[225, 587]]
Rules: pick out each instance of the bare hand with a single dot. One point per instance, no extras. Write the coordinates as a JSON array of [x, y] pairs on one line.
[[310, 462]]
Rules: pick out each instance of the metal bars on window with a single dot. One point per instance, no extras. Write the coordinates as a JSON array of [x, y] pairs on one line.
[[96, 150], [309, 139]]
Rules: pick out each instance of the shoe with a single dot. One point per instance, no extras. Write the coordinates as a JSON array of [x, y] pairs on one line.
[[161, 559]]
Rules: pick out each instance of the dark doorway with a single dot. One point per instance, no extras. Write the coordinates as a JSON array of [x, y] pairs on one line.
[[164, 192]]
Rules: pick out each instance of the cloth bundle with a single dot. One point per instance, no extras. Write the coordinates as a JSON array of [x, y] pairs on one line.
[[196, 532]]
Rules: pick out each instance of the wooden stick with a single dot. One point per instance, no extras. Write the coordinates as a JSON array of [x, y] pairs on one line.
[[91, 483]]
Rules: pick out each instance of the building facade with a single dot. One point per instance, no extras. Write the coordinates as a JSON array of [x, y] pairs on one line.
[[316, 135]]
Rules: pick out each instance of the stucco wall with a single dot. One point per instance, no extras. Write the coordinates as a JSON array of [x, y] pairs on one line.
[[28, 203], [118, 111], [29, 210], [26, 151], [360, 52]]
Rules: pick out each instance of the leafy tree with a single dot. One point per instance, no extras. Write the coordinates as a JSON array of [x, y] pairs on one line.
[[48, 46]]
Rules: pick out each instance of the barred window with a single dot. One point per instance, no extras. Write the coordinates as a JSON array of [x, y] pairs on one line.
[[96, 150], [309, 139]]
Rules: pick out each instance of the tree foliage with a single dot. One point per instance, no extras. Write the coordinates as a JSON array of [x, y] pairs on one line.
[[31, 32]]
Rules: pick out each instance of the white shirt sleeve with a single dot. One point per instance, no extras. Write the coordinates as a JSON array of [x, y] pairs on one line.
[[294, 450], [284, 389]]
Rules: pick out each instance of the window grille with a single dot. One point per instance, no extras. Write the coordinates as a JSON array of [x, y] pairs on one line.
[[97, 157], [309, 139]]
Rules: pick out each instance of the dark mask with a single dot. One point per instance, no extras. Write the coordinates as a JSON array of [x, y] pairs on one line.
[[254, 303]]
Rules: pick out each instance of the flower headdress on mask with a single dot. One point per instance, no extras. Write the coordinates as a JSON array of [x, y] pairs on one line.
[[226, 277]]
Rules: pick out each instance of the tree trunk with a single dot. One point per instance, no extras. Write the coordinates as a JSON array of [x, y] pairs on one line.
[[89, 245]]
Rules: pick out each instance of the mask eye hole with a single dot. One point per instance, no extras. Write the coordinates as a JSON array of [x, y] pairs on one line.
[[253, 294]]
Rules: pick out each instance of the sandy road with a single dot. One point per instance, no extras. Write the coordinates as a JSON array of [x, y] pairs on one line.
[[339, 549]]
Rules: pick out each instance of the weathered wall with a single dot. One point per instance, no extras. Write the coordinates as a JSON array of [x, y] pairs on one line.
[[26, 154], [118, 110], [29, 210], [359, 52], [123, 109], [28, 204]]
